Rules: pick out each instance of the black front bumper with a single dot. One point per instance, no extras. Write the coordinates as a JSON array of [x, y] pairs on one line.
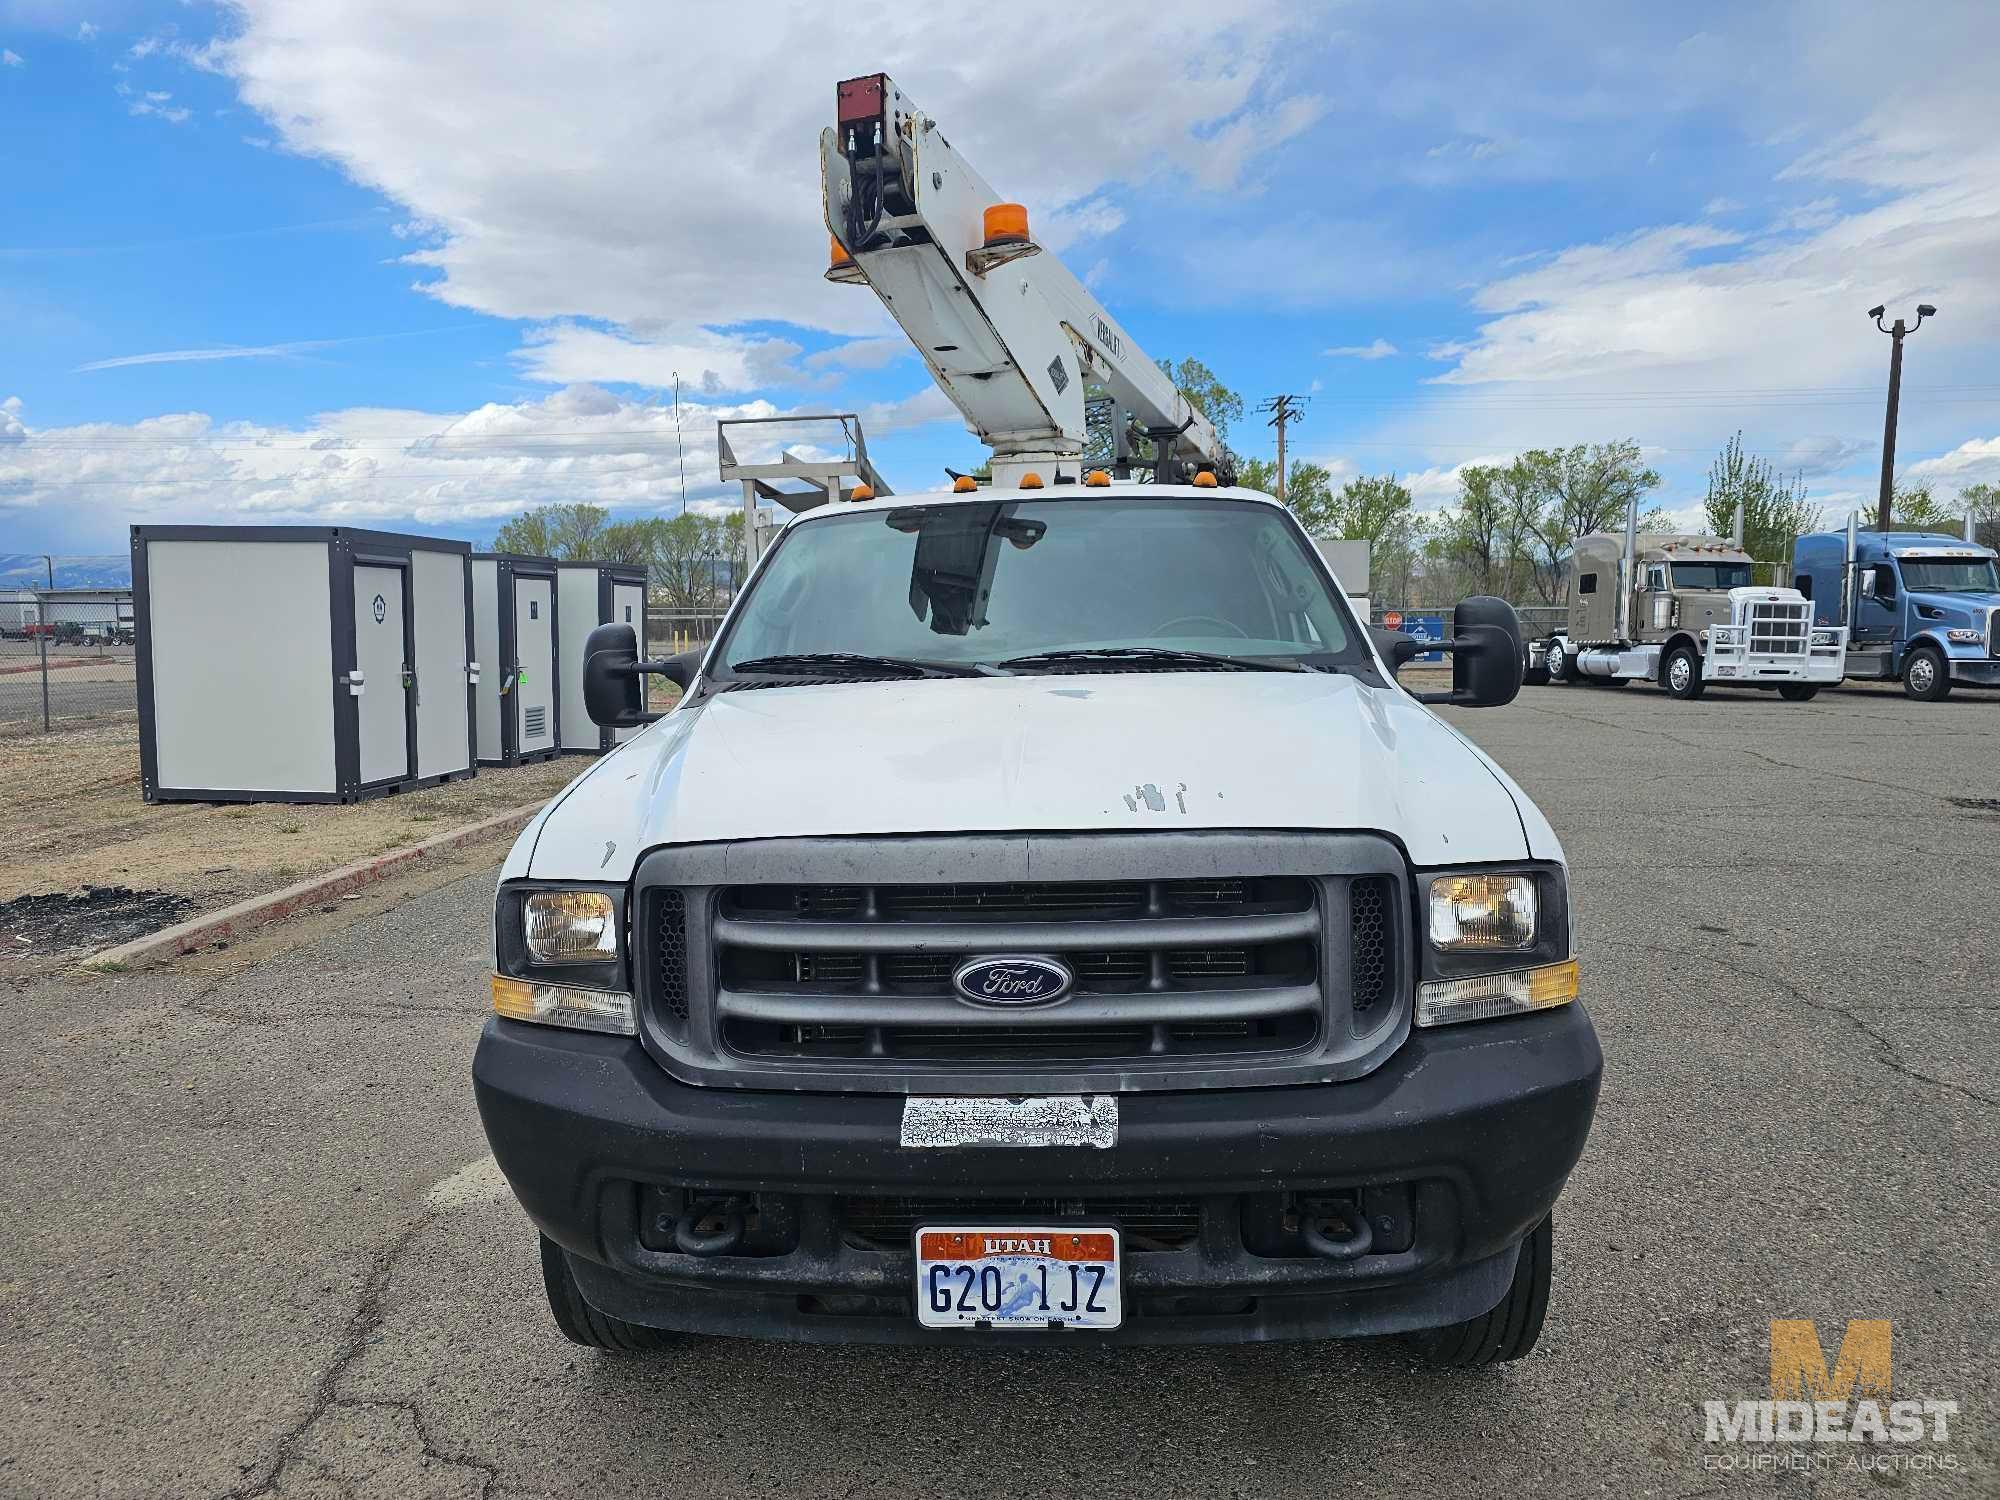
[[1475, 1128]]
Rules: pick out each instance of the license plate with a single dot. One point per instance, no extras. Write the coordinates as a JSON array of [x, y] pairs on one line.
[[974, 1276]]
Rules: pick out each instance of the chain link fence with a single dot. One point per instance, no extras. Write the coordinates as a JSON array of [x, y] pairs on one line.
[[63, 659]]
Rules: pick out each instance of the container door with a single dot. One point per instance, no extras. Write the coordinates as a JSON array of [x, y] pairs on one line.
[[628, 607], [382, 656], [437, 580], [535, 665]]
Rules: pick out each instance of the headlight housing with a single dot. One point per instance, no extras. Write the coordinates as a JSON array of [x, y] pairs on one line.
[[1966, 637], [560, 957], [1496, 943], [1482, 913], [1824, 637]]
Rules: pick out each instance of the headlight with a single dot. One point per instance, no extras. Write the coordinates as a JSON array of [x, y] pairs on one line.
[[571, 927], [559, 958], [1483, 913], [1965, 637]]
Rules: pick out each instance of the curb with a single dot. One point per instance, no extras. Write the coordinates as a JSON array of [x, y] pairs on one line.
[[233, 922]]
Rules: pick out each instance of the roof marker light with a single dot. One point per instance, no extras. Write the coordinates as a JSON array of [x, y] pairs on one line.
[[1097, 478], [1006, 224], [1204, 480], [1031, 480], [862, 492], [965, 484]]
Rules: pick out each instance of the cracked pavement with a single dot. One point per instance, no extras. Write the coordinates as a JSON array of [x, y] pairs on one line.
[[255, 1246]]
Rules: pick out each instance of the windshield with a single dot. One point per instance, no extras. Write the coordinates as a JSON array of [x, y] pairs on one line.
[[1711, 575], [1950, 575], [986, 582]]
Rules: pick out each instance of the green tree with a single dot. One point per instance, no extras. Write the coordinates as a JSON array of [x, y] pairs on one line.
[[1982, 503], [1775, 510], [1566, 493], [1912, 507], [567, 531], [1478, 538]]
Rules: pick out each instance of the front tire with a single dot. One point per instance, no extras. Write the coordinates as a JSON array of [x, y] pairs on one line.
[[1925, 675], [1561, 670], [1511, 1328], [583, 1324], [1680, 673], [1798, 692]]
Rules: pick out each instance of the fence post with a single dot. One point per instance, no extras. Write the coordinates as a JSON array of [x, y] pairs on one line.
[[42, 639]]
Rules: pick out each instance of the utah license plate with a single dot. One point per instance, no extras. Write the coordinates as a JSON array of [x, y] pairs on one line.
[[1029, 1278]]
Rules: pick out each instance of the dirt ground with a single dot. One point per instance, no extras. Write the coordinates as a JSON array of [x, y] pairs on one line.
[[73, 826]]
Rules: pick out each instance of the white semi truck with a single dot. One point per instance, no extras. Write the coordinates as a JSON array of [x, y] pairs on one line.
[[1682, 611], [1043, 917]]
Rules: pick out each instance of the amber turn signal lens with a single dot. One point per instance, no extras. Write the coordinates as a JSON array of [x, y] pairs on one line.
[[1204, 480], [1031, 480], [965, 484], [1097, 478], [862, 492], [1006, 224], [840, 255]]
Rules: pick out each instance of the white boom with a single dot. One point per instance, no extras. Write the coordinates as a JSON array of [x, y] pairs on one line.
[[1010, 334]]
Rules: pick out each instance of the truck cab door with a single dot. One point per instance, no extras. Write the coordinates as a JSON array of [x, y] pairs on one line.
[[1655, 602], [1879, 608]]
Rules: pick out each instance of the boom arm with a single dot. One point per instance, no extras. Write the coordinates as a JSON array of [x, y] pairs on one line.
[[1008, 332]]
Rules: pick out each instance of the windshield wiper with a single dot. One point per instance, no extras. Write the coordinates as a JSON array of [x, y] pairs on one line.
[[855, 663], [1163, 656]]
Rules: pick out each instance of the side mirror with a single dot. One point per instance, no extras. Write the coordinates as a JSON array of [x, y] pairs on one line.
[[614, 690], [1398, 647], [1868, 583], [1486, 655]]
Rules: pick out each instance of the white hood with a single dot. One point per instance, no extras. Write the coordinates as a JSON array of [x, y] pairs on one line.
[[1127, 752]]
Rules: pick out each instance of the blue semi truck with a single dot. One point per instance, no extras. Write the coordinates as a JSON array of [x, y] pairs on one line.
[[1920, 608]]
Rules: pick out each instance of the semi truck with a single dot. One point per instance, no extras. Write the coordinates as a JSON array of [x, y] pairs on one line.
[[1043, 918], [1681, 610], [1919, 608]]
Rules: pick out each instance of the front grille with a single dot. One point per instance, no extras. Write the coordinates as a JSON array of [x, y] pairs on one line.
[[773, 971], [845, 971], [1147, 1223], [1778, 627]]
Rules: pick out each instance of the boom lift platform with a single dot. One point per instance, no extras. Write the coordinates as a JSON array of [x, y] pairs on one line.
[[1011, 336]]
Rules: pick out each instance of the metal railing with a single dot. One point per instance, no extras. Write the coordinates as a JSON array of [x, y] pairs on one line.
[[65, 659]]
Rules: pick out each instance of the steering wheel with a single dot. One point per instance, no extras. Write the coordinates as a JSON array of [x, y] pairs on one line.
[[1233, 629]]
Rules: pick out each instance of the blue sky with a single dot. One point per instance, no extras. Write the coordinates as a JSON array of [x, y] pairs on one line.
[[420, 266]]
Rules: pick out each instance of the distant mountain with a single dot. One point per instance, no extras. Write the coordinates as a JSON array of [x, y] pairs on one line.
[[26, 570]]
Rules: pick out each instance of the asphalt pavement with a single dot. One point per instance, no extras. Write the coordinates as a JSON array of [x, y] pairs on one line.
[[254, 1244]]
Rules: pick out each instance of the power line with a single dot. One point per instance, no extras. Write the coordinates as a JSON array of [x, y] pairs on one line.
[[1283, 414]]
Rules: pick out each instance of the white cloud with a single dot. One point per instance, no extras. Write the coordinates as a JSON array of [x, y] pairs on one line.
[[654, 169], [861, 354], [156, 102], [1976, 461], [1716, 207], [710, 363], [1379, 349], [1820, 455], [79, 486], [9, 58], [144, 47], [86, 31]]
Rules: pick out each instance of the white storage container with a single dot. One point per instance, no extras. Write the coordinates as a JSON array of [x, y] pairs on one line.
[[518, 634], [300, 663], [590, 594]]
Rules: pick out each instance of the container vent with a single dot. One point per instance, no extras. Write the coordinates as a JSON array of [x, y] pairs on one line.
[[535, 722]]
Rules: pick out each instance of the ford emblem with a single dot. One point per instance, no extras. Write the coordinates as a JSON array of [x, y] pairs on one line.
[[1012, 981]]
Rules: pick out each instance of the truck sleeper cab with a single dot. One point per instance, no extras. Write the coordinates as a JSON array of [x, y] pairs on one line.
[[1034, 874], [1921, 609], [1683, 613]]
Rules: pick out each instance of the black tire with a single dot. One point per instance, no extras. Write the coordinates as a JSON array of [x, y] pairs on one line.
[[1680, 673], [1512, 1327], [1925, 675], [1556, 662], [583, 1324], [1798, 692]]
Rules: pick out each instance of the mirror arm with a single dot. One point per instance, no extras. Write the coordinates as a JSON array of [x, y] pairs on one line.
[[1456, 643]]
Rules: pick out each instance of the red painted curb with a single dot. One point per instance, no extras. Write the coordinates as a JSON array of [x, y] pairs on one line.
[[232, 922]]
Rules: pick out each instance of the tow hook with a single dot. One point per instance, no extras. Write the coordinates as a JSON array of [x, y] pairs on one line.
[[1336, 1231], [713, 1228]]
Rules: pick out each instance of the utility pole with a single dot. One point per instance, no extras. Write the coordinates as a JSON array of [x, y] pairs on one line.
[[1896, 334], [1284, 411]]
